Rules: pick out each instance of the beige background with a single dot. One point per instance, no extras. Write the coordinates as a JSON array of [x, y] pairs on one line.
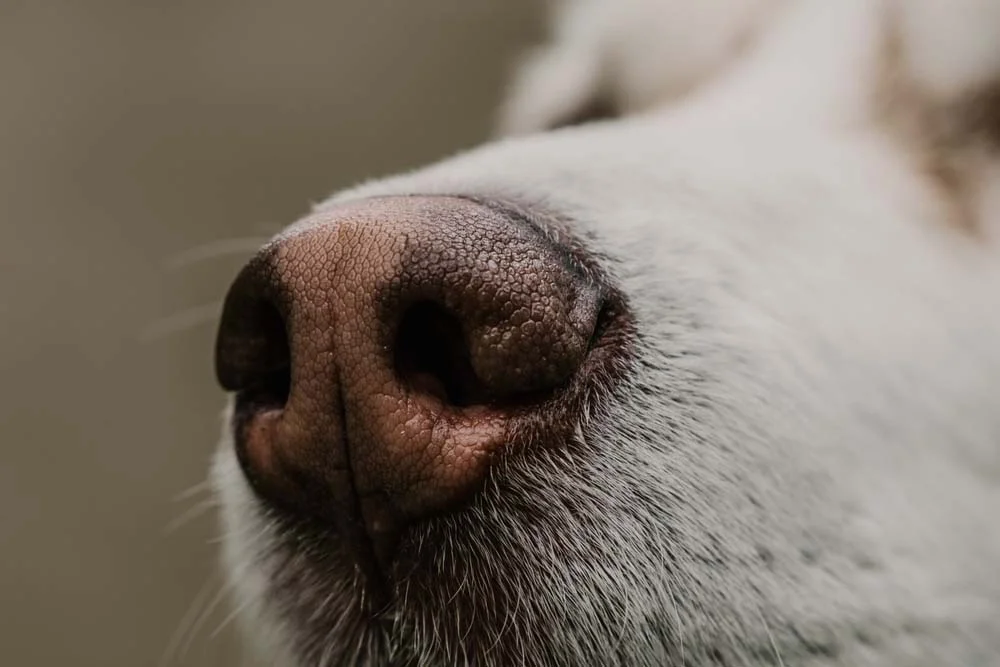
[[131, 132]]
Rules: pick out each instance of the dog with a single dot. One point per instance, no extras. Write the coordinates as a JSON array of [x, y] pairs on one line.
[[696, 364]]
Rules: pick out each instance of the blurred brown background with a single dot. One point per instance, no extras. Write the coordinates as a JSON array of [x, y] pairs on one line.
[[130, 134]]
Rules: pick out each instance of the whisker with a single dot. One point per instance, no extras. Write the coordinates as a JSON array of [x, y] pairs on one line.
[[202, 619], [677, 617], [770, 637], [214, 250], [170, 654], [269, 228], [230, 618], [189, 515], [192, 491], [182, 321]]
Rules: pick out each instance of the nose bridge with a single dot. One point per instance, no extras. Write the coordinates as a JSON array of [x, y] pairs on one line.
[[309, 270]]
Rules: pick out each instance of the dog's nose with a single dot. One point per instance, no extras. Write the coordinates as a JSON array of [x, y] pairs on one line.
[[381, 350]]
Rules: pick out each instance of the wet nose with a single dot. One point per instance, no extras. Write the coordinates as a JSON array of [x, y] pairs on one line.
[[379, 352]]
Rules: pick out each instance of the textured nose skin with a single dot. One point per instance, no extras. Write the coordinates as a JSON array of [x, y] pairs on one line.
[[381, 349]]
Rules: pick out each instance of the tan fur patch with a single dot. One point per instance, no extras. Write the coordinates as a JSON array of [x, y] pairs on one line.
[[953, 140]]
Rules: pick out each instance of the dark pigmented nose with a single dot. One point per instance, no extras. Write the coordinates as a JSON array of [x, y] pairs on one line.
[[380, 350]]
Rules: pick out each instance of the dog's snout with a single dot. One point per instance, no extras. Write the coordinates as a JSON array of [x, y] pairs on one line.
[[380, 351]]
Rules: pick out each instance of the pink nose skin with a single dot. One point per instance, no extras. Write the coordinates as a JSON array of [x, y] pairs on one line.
[[381, 350]]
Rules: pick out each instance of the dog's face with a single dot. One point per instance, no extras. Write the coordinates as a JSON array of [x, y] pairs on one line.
[[714, 383]]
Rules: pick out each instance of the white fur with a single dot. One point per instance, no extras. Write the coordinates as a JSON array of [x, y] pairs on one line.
[[643, 53], [791, 265]]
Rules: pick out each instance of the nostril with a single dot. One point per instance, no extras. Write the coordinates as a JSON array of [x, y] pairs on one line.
[[267, 390], [253, 355], [432, 356]]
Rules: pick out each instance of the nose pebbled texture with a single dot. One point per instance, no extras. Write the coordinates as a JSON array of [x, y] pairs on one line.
[[381, 350]]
